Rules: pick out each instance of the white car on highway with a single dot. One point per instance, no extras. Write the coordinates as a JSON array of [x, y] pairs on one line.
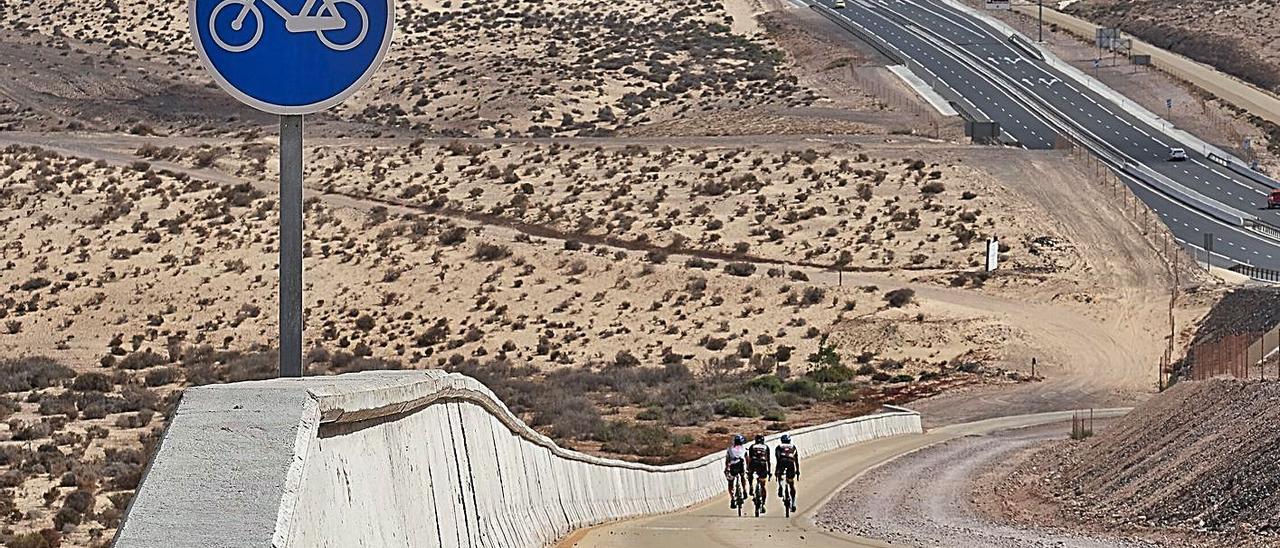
[[839, 4], [1177, 155]]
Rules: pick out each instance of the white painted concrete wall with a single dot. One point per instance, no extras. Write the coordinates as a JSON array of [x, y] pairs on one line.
[[424, 458]]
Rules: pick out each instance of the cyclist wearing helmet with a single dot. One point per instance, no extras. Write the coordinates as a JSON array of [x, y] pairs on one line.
[[758, 467], [735, 465], [788, 465]]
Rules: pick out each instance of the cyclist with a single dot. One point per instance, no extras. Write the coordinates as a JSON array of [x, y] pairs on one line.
[[789, 465], [735, 465], [758, 467]]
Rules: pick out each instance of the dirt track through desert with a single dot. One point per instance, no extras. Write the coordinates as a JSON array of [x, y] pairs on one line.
[[922, 499]]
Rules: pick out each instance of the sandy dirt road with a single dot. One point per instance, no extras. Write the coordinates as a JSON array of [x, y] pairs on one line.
[[714, 524], [926, 498]]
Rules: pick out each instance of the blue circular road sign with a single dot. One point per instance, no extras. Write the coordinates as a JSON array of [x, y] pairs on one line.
[[291, 56]]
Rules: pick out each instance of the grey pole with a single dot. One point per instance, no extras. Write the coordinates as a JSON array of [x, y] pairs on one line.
[[1208, 251], [291, 245], [1041, 21]]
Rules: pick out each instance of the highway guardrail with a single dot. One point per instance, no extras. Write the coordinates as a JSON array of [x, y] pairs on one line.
[[1241, 169], [1191, 198]]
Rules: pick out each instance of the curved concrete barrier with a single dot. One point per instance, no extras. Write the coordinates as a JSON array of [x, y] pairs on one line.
[[404, 458]]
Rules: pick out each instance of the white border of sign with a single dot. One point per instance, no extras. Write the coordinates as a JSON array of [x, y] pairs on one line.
[[387, 34]]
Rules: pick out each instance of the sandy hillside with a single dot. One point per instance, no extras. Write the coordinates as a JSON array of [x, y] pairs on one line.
[[1209, 31], [575, 67]]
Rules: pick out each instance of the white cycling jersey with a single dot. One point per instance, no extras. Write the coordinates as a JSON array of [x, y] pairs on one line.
[[736, 453]]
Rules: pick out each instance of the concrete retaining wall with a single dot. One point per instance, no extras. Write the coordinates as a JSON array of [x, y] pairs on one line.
[[406, 458]]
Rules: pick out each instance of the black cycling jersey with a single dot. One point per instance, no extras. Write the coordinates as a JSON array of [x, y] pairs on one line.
[[788, 461], [758, 457]]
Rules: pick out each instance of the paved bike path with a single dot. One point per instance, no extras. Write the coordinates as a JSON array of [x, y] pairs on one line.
[[715, 524]]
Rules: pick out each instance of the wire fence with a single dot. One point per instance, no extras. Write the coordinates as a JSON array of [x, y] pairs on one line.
[[1241, 356]]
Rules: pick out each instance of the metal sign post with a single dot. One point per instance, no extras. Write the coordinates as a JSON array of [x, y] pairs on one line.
[[1208, 251], [291, 245], [291, 63]]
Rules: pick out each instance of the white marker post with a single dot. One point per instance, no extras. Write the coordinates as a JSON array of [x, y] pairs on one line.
[[993, 254]]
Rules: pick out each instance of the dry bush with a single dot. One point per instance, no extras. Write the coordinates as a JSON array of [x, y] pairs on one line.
[[23, 374]]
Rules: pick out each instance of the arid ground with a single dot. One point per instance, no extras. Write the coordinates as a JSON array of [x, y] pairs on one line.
[[646, 226]]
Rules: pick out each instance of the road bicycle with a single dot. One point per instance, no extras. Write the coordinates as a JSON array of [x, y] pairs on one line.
[[739, 493], [327, 18], [788, 495], [759, 495]]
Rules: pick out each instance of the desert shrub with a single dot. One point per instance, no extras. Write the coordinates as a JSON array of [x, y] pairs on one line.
[[831, 374], [656, 256], [22, 431], [899, 298], [8, 406], [783, 353], [739, 269], [714, 343], [253, 366], [92, 382], [804, 387], [933, 188], [364, 322], [136, 398], [161, 376], [142, 360], [571, 417], [646, 440], [47, 538], [700, 263], [136, 420], [625, 359], [774, 414], [881, 376], [63, 404], [80, 500], [736, 407], [649, 414], [491, 252], [766, 382], [23, 374], [35, 283], [12, 478], [453, 236], [66, 516]]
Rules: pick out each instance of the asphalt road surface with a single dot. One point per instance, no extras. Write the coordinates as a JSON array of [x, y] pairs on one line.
[[999, 79], [715, 524]]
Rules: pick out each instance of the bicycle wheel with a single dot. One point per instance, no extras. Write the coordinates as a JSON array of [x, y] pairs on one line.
[[330, 9], [255, 22], [786, 500]]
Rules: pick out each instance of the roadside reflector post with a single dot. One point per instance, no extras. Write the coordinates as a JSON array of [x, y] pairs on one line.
[[291, 245]]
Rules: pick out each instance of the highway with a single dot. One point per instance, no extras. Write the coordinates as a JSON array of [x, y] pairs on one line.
[[714, 524], [1035, 103]]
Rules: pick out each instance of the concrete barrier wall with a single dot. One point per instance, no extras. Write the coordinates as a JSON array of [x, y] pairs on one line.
[[419, 458]]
